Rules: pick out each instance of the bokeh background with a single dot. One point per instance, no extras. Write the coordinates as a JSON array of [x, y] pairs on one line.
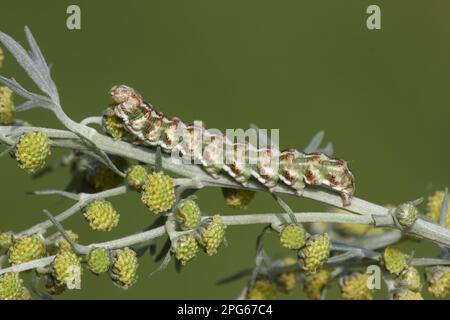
[[381, 96]]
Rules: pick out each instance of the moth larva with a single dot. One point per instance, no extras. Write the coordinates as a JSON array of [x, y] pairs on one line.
[[217, 154]]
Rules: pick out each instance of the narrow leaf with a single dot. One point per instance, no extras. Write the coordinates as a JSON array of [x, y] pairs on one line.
[[38, 57], [60, 228], [286, 208], [30, 104], [36, 54], [26, 62], [328, 150], [16, 87], [163, 264], [315, 142]]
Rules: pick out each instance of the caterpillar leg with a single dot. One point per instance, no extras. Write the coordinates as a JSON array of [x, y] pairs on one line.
[[212, 159], [267, 168], [299, 188], [237, 164], [346, 198]]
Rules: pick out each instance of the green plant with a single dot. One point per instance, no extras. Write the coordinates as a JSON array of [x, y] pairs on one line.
[[187, 232]]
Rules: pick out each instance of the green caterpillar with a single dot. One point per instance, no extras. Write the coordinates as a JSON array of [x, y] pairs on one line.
[[217, 154]]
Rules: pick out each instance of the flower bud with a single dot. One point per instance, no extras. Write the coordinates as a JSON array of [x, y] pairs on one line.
[[98, 260], [6, 106], [315, 253], [32, 150], [315, 283], [438, 279], [188, 214], [354, 287], [394, 260], [263, 290], [27, 248], [137, 176], [238, 198], [63, 244], [406, 214], [11, 287], [407, 295], [101, 215], [185, 248], [112, 124], [159, 193], [212, 234], [66, 268], [293, 237], [409, 279], [6, 239], [124, 267], [288, 280]]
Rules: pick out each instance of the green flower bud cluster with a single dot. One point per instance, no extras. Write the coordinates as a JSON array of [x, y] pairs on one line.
[[355, 287], [6, 106], [212, 234], [188, 214], [66, 269], [394, 260], [438, 279], [137, 176], [315, 252], [409, 279], [288, 280], [238, 198], [315, 283], [32, 150], [209, 235], [6, 239], [159, 193], [11, 287], [406, 214], [185, 248], [293, 237], [112, 124], [101, 215], [99, 260], [27, 248], [62, 244], [124, 268], [407, 295], [263, 289]]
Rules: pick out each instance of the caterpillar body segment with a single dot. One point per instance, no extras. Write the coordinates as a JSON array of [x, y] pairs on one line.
[[217, 154]]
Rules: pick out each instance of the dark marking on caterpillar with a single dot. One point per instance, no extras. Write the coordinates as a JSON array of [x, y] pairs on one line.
[[294, 168]]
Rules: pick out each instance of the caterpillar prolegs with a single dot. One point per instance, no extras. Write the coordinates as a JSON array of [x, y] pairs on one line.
[[218, 154]]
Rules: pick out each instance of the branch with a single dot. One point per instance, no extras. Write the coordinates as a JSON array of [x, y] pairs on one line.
[[234, 220], [65, 139]]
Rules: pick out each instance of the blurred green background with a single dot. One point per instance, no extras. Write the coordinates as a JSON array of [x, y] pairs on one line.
[[381, 96]]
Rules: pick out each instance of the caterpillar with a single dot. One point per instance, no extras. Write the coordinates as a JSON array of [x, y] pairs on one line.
[[243, 160]]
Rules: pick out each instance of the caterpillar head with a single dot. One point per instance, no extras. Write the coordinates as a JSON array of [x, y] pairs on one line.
[[122, 94]]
